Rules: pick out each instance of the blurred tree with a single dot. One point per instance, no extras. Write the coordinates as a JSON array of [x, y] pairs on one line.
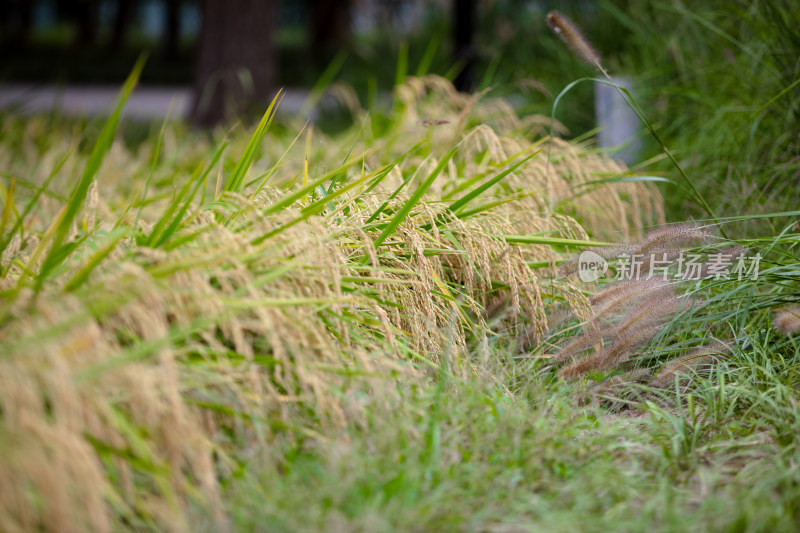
[[330, 27], [236, 59], [85, 14], [463, 34], [122, 21], [172, 30], [15, 21]]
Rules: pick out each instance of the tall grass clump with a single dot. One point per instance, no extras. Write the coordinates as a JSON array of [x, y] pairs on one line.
[[655, 316], [169, 316], [720, 79], [654, 308]]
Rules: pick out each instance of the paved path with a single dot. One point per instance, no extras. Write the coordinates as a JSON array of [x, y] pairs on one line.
[[146, 103]]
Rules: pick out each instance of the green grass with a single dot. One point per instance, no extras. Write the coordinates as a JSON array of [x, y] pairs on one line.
[[468, 456], [720, 81]]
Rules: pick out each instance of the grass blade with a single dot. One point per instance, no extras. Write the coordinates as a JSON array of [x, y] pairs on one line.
[[101, 147], [477, 191], [415, 198], [553, 241], [83, 274], [249, 155]]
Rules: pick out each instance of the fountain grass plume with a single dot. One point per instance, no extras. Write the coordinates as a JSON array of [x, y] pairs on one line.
[[570, 34], [650, 312], [614, 355], [697, 359], [620, 295], [787, 320], [667, 236], [578, 344]]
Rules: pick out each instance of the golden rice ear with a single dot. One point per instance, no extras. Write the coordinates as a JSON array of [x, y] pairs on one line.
[[569, 33]]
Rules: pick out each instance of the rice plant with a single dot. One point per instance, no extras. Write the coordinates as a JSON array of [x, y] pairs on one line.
[[166, 311]]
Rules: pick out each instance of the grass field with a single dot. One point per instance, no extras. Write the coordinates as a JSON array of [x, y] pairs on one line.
[[271, 328]]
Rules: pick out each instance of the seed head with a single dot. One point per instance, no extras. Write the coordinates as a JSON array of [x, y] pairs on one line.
[[787, 320], [665, 237], [698, 358], [569, 33], [653, 311], [621, 295], [614, 355], [579, 343]]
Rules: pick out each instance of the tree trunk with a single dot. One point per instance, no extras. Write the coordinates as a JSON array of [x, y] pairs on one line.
[[86, 18], [236, 59], [330, 28], [463, 32], [173, 29], [122, 20]]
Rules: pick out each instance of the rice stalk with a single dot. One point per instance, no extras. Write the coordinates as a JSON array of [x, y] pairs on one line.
[[242, 306]]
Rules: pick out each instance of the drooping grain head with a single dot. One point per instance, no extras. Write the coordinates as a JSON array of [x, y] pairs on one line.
[[170, 350]]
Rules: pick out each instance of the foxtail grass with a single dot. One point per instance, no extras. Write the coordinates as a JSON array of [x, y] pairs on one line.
[[787, 320], [570, 34], [700, 358]]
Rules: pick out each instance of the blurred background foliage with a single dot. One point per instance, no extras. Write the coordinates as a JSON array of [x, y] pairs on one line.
[[719, 79]]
